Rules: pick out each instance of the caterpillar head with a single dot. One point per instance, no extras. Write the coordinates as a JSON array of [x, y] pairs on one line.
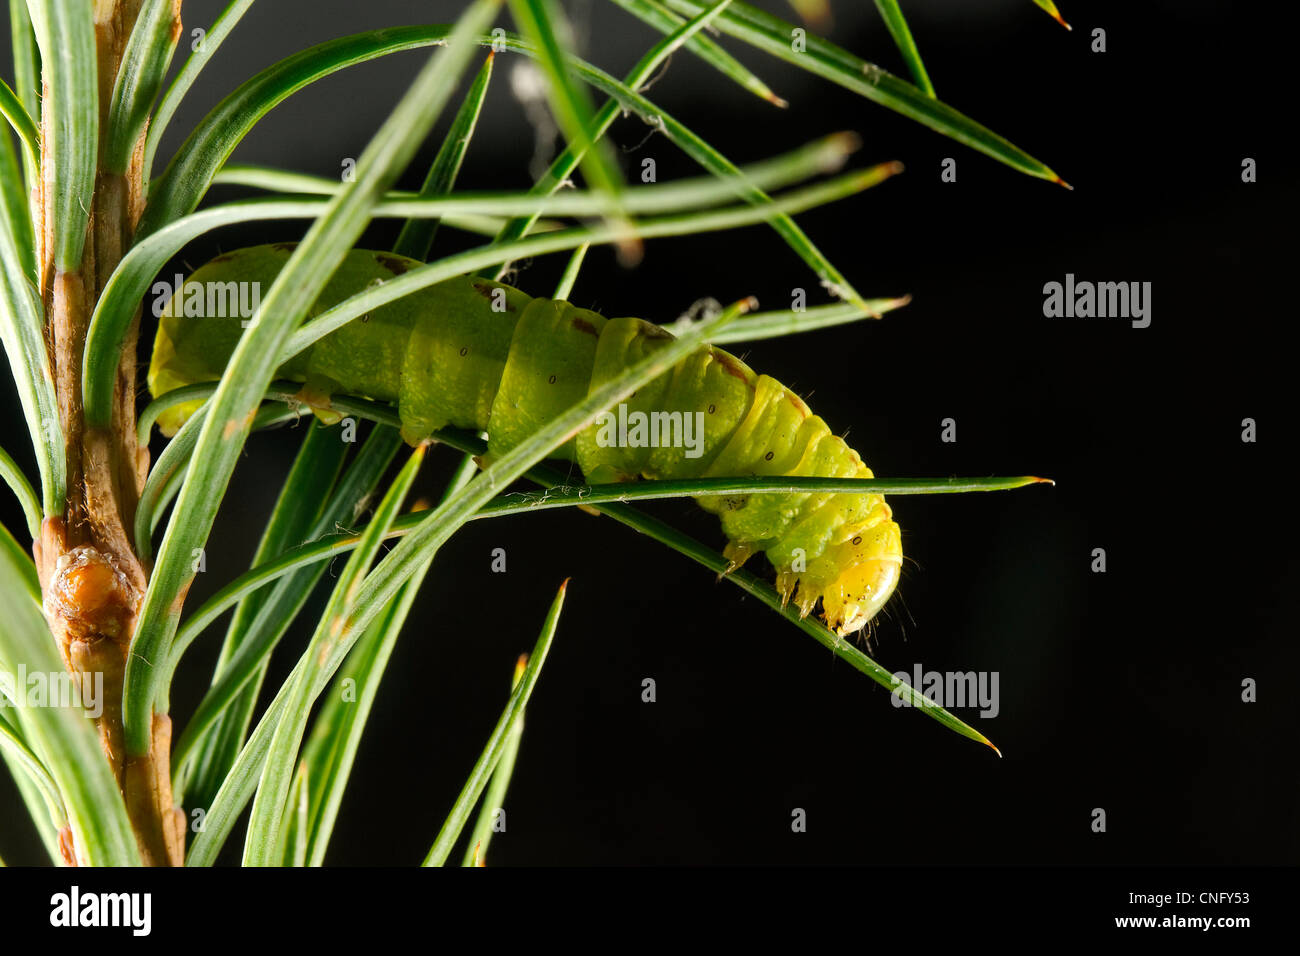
[[853, 579]]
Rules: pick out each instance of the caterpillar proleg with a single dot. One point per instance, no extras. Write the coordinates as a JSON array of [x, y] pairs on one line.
[[477, 354]]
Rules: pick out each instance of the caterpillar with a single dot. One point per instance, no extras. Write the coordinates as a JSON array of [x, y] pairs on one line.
[[473, 353]]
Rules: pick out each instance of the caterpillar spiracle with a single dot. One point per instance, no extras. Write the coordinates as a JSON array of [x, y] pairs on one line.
[[477, 354]]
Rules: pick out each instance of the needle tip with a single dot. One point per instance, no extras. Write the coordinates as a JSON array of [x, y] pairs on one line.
[[630, 252], [845, 142]]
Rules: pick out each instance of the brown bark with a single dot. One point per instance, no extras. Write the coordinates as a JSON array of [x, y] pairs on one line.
[[92, 580]]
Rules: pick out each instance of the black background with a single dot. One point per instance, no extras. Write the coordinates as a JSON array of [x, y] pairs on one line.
[[1119, 690]]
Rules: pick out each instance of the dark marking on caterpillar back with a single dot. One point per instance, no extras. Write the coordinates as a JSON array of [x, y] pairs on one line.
[[224, 257], [651, 331], [392, 263], [284, 246], [731, 366], [582, 325], [486, 289]]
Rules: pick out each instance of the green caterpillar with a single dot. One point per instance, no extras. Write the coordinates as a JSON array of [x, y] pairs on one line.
[[476, 354]]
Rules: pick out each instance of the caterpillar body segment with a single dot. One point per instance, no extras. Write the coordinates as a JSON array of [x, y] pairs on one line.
[[476, 354]]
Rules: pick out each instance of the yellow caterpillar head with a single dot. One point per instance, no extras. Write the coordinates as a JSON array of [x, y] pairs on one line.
[[871, 569], [853, 579]]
